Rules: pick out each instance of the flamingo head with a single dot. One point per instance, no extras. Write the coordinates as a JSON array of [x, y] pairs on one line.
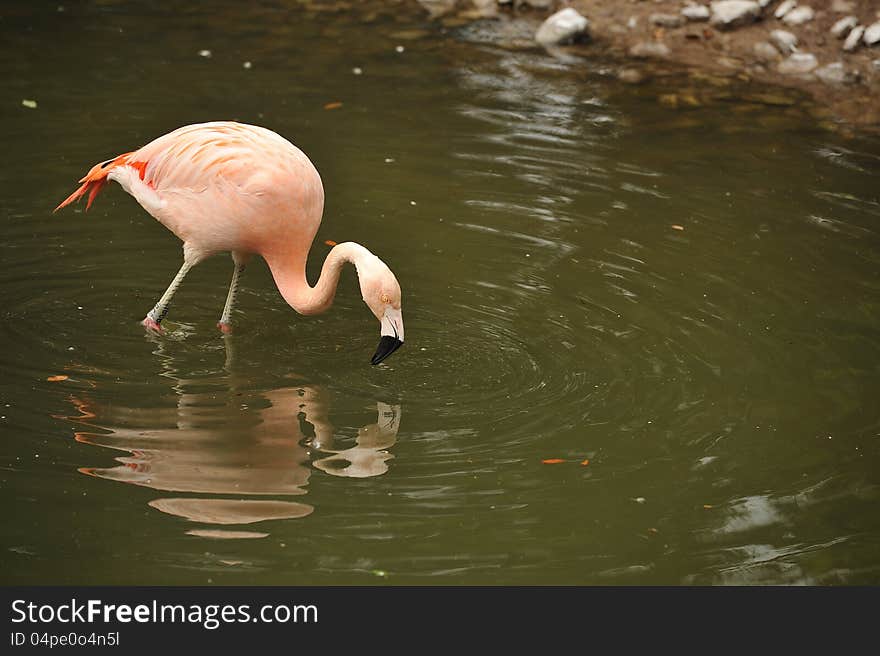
[[381, 293]]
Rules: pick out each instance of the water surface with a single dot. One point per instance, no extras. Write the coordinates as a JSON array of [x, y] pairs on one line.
[[681, 305]]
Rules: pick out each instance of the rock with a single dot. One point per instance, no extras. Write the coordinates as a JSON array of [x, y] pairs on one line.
[[872, 34], [730, 62], [785, 42], [485, 8], [765, 52], [833, 74], [632, 76], [536, 4], [799, 16], [854, 38], [696, 13], [650, 49], [843, 6], [764, 3], [562, 27], [784, 8], [842, 27], [438, 8], [666, 20], [685, 98], [728, 14], [771, 99], [798, 64]]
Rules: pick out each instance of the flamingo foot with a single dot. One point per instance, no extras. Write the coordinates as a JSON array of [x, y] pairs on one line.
[[151, 324], [225, 328]]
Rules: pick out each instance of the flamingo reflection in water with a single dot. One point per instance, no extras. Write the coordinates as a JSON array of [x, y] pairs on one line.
[[232, 444]]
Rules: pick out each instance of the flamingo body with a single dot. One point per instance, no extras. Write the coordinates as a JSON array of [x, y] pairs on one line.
[[227, 186]]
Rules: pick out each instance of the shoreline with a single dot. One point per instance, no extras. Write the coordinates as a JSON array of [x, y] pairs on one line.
[[645, 36]]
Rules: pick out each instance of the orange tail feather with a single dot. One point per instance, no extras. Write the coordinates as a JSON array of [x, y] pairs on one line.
[[94, 181]]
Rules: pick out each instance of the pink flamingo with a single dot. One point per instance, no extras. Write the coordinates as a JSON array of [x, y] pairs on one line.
[[227, 186]]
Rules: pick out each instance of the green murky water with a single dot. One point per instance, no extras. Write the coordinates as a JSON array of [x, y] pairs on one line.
[[688, 299]]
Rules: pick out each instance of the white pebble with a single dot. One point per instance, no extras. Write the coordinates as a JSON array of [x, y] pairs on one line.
[[785, 42], [799, 16], [204, 53], [842, 27], [357, 70], [855, 36], [784, 8], [872, 34]]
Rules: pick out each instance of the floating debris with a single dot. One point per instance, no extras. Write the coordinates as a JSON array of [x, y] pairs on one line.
[[57, 379], [333, 105], [30, 104], [552, 461]]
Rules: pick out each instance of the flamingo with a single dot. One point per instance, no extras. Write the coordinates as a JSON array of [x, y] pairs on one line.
[[228, 186]]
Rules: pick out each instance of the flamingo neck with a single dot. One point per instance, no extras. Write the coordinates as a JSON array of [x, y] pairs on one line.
[[290, 277]]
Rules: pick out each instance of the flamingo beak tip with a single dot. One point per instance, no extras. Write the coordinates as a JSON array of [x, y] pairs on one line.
[[387, 346]]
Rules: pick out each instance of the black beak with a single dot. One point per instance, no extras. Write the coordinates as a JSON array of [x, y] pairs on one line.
[[387, 346]]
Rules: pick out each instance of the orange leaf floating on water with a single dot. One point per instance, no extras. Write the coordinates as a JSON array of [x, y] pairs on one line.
[[330, 242], [552, 461], [57, 379], [333, 105], [584, 463], [677, 227]]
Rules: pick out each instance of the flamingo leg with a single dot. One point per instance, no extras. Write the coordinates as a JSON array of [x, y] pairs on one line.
[[154, 317], [225, 323]]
